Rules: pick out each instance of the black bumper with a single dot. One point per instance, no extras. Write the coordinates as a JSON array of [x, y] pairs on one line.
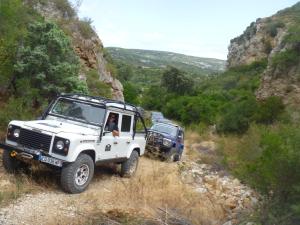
[[36, 154]]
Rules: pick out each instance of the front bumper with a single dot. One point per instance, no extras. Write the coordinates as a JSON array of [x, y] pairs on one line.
[[34, 154], [157, 150]]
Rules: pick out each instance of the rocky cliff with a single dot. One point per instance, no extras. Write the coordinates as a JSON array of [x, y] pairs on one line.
[[275, 39], [86, 42]]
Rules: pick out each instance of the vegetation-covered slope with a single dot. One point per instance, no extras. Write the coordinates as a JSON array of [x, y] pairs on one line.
[[147, 65]]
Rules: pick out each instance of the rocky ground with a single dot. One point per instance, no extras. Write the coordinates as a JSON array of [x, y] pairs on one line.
[[208, 193], [213, 181]]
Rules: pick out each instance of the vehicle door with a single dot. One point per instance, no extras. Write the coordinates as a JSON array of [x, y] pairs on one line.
[[125, 135], [107, 148]]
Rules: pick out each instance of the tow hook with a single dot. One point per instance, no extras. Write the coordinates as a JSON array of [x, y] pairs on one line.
[[13, 153]]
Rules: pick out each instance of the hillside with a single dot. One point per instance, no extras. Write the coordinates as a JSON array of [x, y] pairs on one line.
[[162, 59], [275, 39]]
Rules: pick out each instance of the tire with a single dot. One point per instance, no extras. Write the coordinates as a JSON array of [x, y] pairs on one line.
[[76, 176], [177, 157], [171, 155], [128, 168], [12, 164]]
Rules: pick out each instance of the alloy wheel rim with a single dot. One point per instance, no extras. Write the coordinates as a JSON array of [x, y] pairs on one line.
[[82, 175]]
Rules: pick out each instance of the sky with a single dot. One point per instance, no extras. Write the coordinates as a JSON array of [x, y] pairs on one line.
[[193, 27]]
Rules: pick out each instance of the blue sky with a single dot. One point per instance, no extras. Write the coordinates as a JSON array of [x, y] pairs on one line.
[[193, 27]]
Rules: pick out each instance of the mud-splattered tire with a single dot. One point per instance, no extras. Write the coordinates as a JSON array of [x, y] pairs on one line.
[[76, 176], [170, 156], [129, 167], [13, 165], [177, 157]]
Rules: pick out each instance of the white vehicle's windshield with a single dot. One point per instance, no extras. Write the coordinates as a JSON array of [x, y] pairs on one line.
[[85, 112], [164, 128]]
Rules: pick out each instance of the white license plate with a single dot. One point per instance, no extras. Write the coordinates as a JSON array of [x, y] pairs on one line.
[[52, 161]]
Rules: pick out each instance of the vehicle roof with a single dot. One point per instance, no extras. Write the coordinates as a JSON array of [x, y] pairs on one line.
[[101, 100]]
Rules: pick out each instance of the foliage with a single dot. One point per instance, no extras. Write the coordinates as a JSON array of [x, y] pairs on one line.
[[272, 27], [175, 81], [131, 93], [269, 110], [97, 87], [66, 8], [85, 27], [12, 33], [285, 59], [268, 158], [46, 64]]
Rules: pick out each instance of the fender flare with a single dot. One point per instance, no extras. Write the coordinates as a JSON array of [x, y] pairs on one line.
[[82, 148]]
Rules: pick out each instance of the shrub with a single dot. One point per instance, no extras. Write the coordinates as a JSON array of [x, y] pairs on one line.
[[286, 59], [237, 116], [273, 26], [269, 110], [85, 28], [46, 64], [65, 7]]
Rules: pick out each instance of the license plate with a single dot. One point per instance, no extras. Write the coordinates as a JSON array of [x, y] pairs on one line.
[[52, 161]]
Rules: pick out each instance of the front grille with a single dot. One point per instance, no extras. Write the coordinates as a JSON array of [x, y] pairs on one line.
[[35, 140], [154, 139]]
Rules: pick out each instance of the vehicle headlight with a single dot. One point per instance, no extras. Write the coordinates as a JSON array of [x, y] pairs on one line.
[[167, 142], [16, 133], [60, 145]]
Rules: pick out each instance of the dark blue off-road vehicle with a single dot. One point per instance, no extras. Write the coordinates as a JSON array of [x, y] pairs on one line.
[[166, 141]]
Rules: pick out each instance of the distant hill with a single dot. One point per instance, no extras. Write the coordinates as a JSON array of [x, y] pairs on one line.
[[162, 59]]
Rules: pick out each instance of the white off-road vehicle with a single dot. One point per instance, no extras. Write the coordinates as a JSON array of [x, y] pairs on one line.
[[71, 136]]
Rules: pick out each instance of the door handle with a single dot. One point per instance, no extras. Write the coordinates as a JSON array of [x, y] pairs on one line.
[[115, 142]]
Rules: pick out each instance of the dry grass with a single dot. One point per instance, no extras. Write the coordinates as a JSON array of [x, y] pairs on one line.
[[156, 193]]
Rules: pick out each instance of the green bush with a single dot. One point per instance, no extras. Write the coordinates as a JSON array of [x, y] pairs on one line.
[[131, 93], [286, 59], [237, 116], [269, 110], [46, 64]]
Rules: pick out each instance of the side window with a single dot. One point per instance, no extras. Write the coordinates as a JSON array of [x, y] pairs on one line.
[[112, 122], [126, 123]]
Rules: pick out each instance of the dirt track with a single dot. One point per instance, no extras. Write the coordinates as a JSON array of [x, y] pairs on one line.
[[156, 195]]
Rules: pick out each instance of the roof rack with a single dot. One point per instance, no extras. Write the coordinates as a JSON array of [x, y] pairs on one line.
[[100, 98]]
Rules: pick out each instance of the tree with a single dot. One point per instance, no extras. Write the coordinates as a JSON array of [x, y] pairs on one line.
[[174, 80], [46, 64]]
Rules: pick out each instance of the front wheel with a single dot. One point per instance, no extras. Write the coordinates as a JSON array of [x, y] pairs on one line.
[[128, 168], [76, 176]]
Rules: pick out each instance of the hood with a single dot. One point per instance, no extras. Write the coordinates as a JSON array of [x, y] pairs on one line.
[[56, 127]]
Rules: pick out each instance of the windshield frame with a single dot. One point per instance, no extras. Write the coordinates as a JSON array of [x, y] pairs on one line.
[[102, 106]]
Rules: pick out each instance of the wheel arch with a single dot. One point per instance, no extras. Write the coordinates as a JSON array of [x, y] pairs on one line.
[[89, 152]]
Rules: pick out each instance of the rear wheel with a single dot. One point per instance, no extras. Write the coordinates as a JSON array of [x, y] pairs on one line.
[[128, 168], [76, 176]]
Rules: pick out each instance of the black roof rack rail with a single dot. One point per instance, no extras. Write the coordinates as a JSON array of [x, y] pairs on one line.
[[103, 99]]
